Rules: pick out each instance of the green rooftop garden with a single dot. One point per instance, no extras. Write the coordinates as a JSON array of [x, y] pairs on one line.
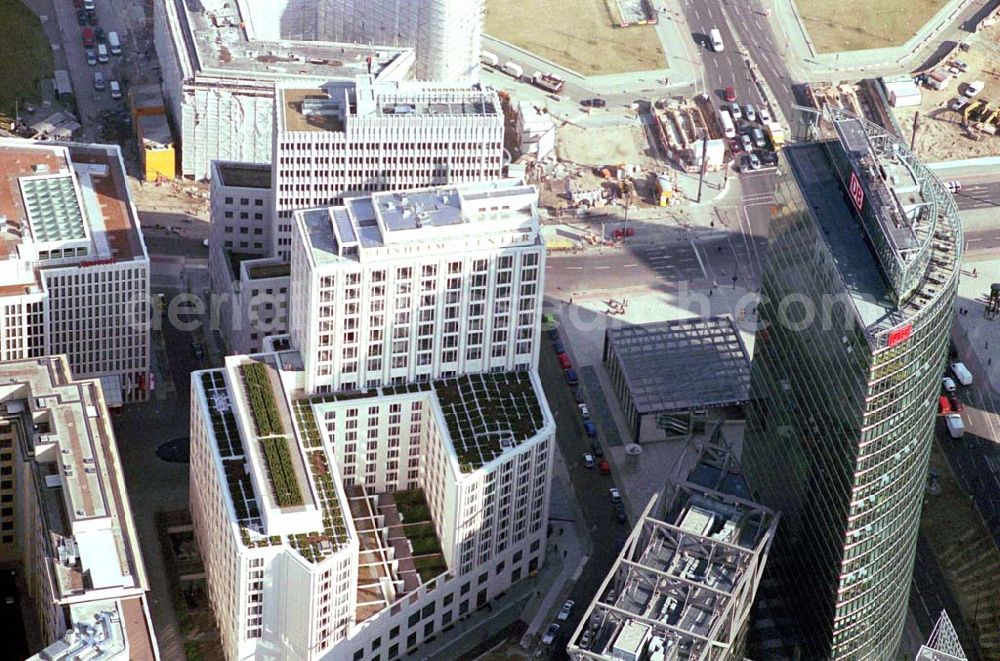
[[430, 567], [487, 414], [260, 271], [279, 467], [261, 396], [315, 546]]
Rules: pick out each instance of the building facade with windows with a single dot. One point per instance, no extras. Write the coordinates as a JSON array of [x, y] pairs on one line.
[[358, 525], [446, 34], [403, 287], [856, 305], [356, 138], [74, 273], [65, 518]]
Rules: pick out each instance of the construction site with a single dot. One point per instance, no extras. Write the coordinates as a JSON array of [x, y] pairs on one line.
[[690, 134], [955, 118]]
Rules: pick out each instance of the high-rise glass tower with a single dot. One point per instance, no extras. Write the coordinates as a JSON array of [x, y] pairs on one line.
[[855, 315]]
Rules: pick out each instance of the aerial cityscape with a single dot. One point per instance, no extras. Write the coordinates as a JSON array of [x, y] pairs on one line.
[[499, 330]]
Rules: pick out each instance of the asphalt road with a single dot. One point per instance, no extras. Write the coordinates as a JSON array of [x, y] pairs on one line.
[[590, 491], [90, 102], [978, 191]]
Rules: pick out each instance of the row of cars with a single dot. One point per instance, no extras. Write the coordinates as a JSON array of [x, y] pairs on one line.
[[744, 126], [98, 47], [949, 404]]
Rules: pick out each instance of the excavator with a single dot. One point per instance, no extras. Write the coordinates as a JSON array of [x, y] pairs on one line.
[[973, 105]]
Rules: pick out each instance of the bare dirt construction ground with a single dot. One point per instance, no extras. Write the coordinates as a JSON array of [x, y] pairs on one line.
[[940, 136], [844, 26], [578, 35], [595, 147]]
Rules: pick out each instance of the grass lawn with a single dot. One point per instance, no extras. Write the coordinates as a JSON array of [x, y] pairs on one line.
[[26, 53], [847, 26], [579, 35], [412, 506], [430, 568]]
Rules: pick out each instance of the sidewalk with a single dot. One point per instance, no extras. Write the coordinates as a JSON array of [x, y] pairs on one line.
[[806, 64]]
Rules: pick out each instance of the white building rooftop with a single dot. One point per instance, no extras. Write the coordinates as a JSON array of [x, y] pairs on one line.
[[219, 40], [431, 215]]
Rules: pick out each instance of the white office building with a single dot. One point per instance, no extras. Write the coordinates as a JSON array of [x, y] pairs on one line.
[[347, 139], [358, 525], [420, 285], [66, 520], [74, 271], [446, 34], [219, 74]]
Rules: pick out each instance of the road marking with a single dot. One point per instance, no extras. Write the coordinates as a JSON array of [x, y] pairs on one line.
[[628, 266], [601, 268], [575, 268], [973, 240]]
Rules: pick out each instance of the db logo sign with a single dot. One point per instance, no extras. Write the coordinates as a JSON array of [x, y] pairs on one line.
[[856, 191]]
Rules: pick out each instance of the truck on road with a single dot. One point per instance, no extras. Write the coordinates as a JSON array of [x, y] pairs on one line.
[[548, 82], [776, 134], [956, 428], [512, 69], [962, 373], [489, 59]]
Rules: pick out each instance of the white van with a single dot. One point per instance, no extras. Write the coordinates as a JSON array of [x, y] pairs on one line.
[[728, 129], [114, 44], [715, 37], [102, 53], [116, 89]]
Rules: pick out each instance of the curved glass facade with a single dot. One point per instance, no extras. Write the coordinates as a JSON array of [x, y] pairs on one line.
[[844, 385]]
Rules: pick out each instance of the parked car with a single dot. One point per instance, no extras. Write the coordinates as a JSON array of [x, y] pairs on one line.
[[571, 377], [92, 18], [958, 103], [564, 361], [759, 141], [616, 496], [99, 34], [558, 346], [948, 384], [944, 405], [197, 351], [584, 411], [578, 396], [764, 114], [99, 83], [754, 162], [588, 460], [973, 88], [960, 65], [550, 634], [749, 112], [604, 466], [729, 94], [91, 57], [566, 609], [553, 334], [736, 145], [87, 36], [116, 92], [735, 110], [620, 513], [745, 142], [956, 404], [768, 158], [590, 428], [599, 103], [81, 17], [744, 163], [596, 449]]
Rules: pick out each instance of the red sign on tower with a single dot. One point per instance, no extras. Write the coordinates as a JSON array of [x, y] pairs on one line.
[[900, 334], [856, 191]]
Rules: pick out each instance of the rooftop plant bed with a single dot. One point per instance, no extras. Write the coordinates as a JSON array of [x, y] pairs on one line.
[[487, 414], [279, 467], [430, 567], [260, 271], [412, 505], [308, 427], [261, 396]]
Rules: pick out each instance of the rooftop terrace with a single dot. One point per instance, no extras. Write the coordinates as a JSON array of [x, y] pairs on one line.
[[218, 42]]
